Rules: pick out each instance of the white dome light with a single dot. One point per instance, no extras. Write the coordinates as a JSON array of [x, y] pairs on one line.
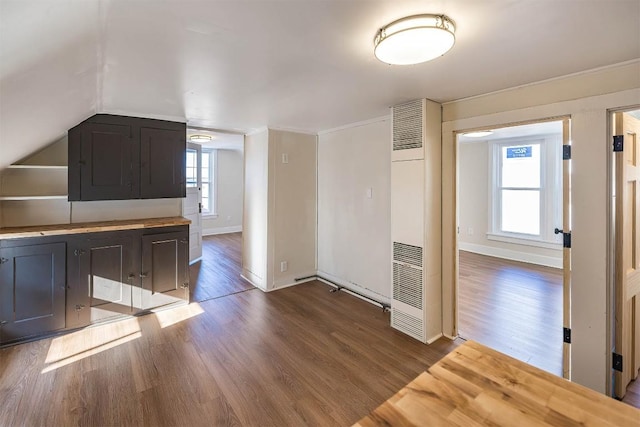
[[478, 133], [414, 39]]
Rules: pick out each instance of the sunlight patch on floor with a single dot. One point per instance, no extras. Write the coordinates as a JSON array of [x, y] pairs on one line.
[[78, 345], [176, 315]]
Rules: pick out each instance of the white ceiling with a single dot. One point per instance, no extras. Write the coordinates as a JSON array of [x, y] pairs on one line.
[[304, 65]]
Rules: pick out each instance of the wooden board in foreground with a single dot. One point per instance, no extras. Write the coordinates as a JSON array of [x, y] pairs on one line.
[[476, 386]]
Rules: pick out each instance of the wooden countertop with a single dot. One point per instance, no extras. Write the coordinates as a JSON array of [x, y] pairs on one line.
[[90, 227], [477, 386]]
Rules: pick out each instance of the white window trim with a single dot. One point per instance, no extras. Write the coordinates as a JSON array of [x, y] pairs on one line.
[[213, 183], [550, 188]]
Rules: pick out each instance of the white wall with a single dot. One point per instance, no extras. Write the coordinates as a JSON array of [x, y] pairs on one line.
[[279, 208], [354, 243], [293, 206], [586, 98], [474, 190], [256, 197], [229, 184]]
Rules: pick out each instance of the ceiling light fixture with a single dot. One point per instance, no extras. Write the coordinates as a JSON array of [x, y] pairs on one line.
[[200, 138], [414, 39], [478, 133]]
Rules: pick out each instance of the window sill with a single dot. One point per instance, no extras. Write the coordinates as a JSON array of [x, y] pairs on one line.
[[209, 216], [526, 241]]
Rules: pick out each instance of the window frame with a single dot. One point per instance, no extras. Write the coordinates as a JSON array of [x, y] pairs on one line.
[[212, 153], [550, 189]]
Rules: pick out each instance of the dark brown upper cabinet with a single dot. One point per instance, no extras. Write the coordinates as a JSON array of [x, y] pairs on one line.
[[119, 157]]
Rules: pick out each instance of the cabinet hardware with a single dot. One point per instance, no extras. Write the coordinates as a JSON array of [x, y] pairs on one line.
[[184, 241], [79, 307], [3, 322], [131, 276], [79, 252], [143, 275], [184, 286], [3, 260]]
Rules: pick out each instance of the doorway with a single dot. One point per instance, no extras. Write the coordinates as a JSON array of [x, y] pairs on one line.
[[513, 269], [625, 245]]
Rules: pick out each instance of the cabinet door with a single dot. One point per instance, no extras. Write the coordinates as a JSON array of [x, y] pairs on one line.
[[162, 163], [104, 282], [105, 158], [165, 269], [32, 290]]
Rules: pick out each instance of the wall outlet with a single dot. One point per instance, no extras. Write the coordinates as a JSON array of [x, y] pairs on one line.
[[285, 158], [470, 231], [369, 193], [283, 266]]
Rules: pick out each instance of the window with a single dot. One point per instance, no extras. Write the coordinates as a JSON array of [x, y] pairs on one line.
[[192, 168], [209, 163], [526, 181]]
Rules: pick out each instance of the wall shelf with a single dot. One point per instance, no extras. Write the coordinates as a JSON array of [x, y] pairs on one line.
[[48, 197], [49, 167]]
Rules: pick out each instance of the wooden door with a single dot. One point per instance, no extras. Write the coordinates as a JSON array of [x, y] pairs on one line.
[[627, 250], [165, 269], [192, 204], [104, 282], [100, 157], [32, 290], [162, 162]]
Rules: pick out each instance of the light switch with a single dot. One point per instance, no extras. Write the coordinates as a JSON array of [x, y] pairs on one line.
[[285, 158], [369, 193]]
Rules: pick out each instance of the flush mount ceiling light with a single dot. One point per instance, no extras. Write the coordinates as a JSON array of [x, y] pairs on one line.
[[414, 39], [478, 134], [200, 138]]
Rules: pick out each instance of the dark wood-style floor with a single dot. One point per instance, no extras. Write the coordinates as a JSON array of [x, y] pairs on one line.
[[217, 274], [297, 356], [512, 307]]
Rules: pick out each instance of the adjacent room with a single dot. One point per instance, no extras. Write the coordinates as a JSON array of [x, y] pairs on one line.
[[295, 213]]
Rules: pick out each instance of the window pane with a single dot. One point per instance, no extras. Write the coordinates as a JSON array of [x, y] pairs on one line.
[[191, 158], [521, 211], [206, 205], [521, 166], [192, 171]]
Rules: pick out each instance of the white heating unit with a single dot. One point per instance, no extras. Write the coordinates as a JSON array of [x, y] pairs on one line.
[[416, 297]]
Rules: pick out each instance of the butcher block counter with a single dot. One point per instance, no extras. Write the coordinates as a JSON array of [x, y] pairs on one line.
[[477, 386], [90, 227]]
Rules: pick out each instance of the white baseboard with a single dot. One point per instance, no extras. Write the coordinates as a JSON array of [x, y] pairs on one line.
[[221, 230], [511, 254]]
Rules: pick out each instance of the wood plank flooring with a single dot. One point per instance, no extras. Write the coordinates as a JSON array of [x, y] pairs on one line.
[[297, 356], [513, 307], [218, 273]]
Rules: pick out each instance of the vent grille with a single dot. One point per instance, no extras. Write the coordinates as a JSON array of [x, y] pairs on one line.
[[407, 126], [407, 285], [407, 253], [407, 323]]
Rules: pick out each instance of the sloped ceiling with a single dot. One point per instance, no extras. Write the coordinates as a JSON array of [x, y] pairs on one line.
[[298, 64]]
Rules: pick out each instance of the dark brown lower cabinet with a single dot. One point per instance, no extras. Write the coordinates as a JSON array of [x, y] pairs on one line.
[[165, 269], [118, 273], [32, 289]]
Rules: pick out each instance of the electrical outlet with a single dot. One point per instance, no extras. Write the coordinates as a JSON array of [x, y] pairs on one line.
[[369, 193], [283, 266], [470, 231], [285, 158]]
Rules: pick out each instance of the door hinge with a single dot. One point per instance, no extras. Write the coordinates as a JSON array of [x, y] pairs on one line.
[[566, 335], [566, 152], [199, 207], [618, 143], [616, 362], [566, 237]]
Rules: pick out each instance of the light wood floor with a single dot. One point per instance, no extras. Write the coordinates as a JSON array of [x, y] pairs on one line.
[[513, 307]]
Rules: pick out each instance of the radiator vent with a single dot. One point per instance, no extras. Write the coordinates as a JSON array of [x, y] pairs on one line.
[[407, 323], [407, 126], [407, 253], [407, 285]]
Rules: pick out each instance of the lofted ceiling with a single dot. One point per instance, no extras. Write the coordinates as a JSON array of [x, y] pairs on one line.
[[304, 65]]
